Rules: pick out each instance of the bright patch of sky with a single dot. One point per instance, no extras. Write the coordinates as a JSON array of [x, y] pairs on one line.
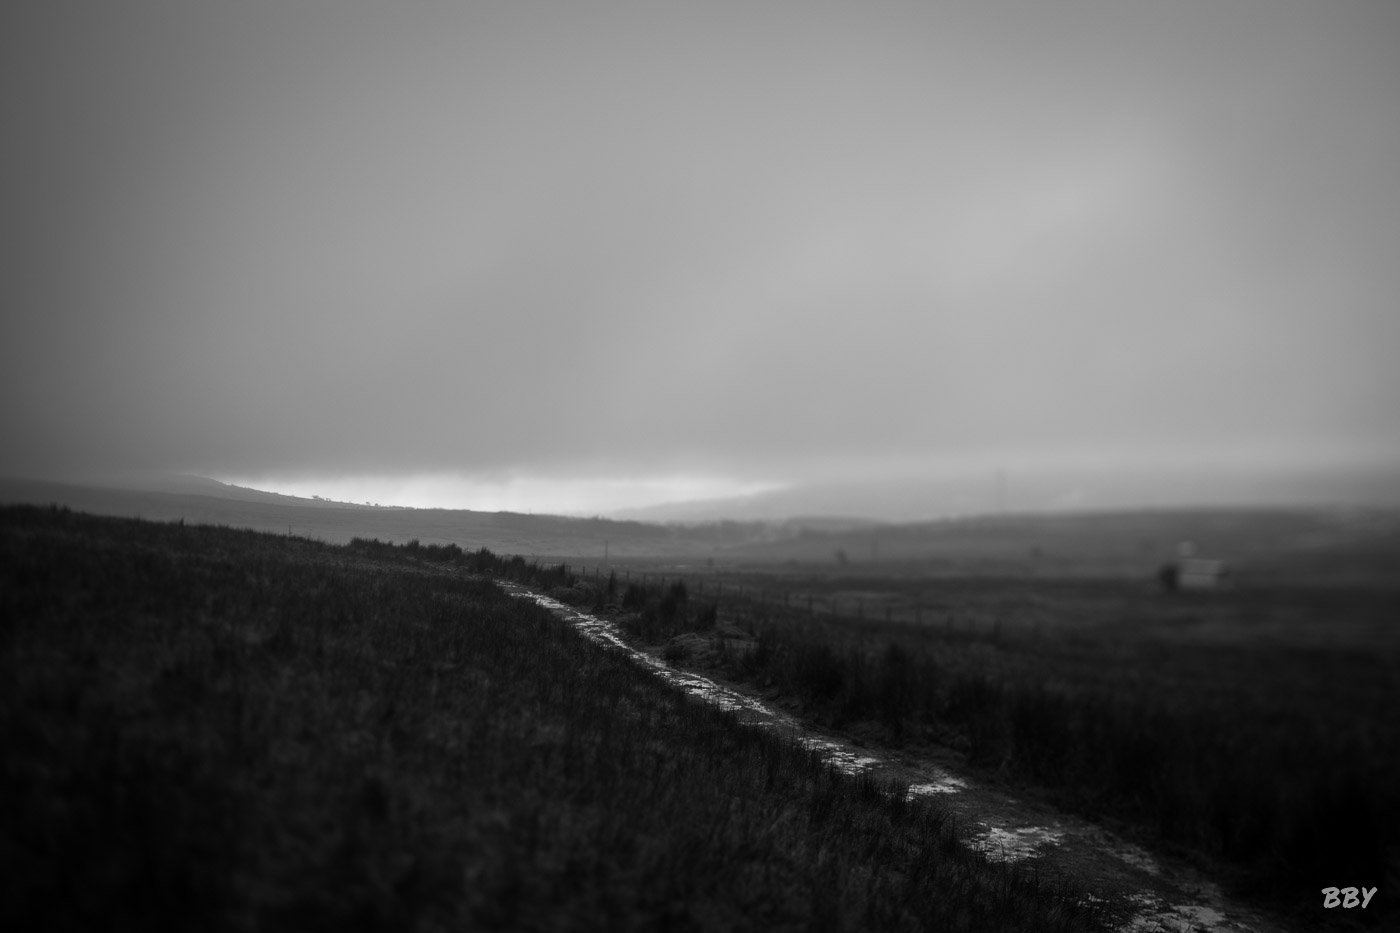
[[577, 497]]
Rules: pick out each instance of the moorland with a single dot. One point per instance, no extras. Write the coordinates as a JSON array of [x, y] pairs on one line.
[[220, 729], [1251, 728]]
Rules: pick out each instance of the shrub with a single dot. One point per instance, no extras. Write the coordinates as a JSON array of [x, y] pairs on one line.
[[634, 598]]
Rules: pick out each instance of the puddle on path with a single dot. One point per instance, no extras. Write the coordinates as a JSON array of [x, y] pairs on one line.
[[1156, 916], [1006, 830], [1001, 844], [949, 785]]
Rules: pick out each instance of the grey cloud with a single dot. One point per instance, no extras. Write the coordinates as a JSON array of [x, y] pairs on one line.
[[751, 239]]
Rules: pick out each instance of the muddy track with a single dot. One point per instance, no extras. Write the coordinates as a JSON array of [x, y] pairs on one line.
[[1150, 891]]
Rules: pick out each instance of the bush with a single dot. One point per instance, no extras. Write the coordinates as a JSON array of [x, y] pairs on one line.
[[671, 609], [634, 598], [817, 670]]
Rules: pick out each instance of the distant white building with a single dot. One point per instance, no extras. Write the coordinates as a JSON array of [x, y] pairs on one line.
[[1189, 572], [1195, 573]]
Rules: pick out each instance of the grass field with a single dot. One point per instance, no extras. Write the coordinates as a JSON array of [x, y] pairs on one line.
[[225, 730], [1257, 726]]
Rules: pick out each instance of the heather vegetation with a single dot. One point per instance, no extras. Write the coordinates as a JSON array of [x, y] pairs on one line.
[[226, 730], [1256, 727]]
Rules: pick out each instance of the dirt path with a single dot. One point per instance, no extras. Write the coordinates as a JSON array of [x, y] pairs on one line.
[[1153, 893]]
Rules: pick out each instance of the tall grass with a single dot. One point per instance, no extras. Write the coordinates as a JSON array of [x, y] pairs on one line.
[[223, 730], [1278, 760]]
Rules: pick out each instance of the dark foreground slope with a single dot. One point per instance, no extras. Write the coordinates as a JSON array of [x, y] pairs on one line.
[[219, 729]]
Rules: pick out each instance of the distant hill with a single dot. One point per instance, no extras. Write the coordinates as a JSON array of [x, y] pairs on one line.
[[1339, 545], [1030, 489], [1332, 544], [206, 501]]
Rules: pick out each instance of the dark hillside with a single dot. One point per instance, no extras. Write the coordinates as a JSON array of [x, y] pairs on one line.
[[216, 729]]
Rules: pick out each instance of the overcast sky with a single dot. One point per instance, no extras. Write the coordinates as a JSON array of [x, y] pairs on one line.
[[581, 255]]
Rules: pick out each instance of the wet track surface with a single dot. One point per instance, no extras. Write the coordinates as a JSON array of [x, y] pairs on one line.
[[1152, 892]]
